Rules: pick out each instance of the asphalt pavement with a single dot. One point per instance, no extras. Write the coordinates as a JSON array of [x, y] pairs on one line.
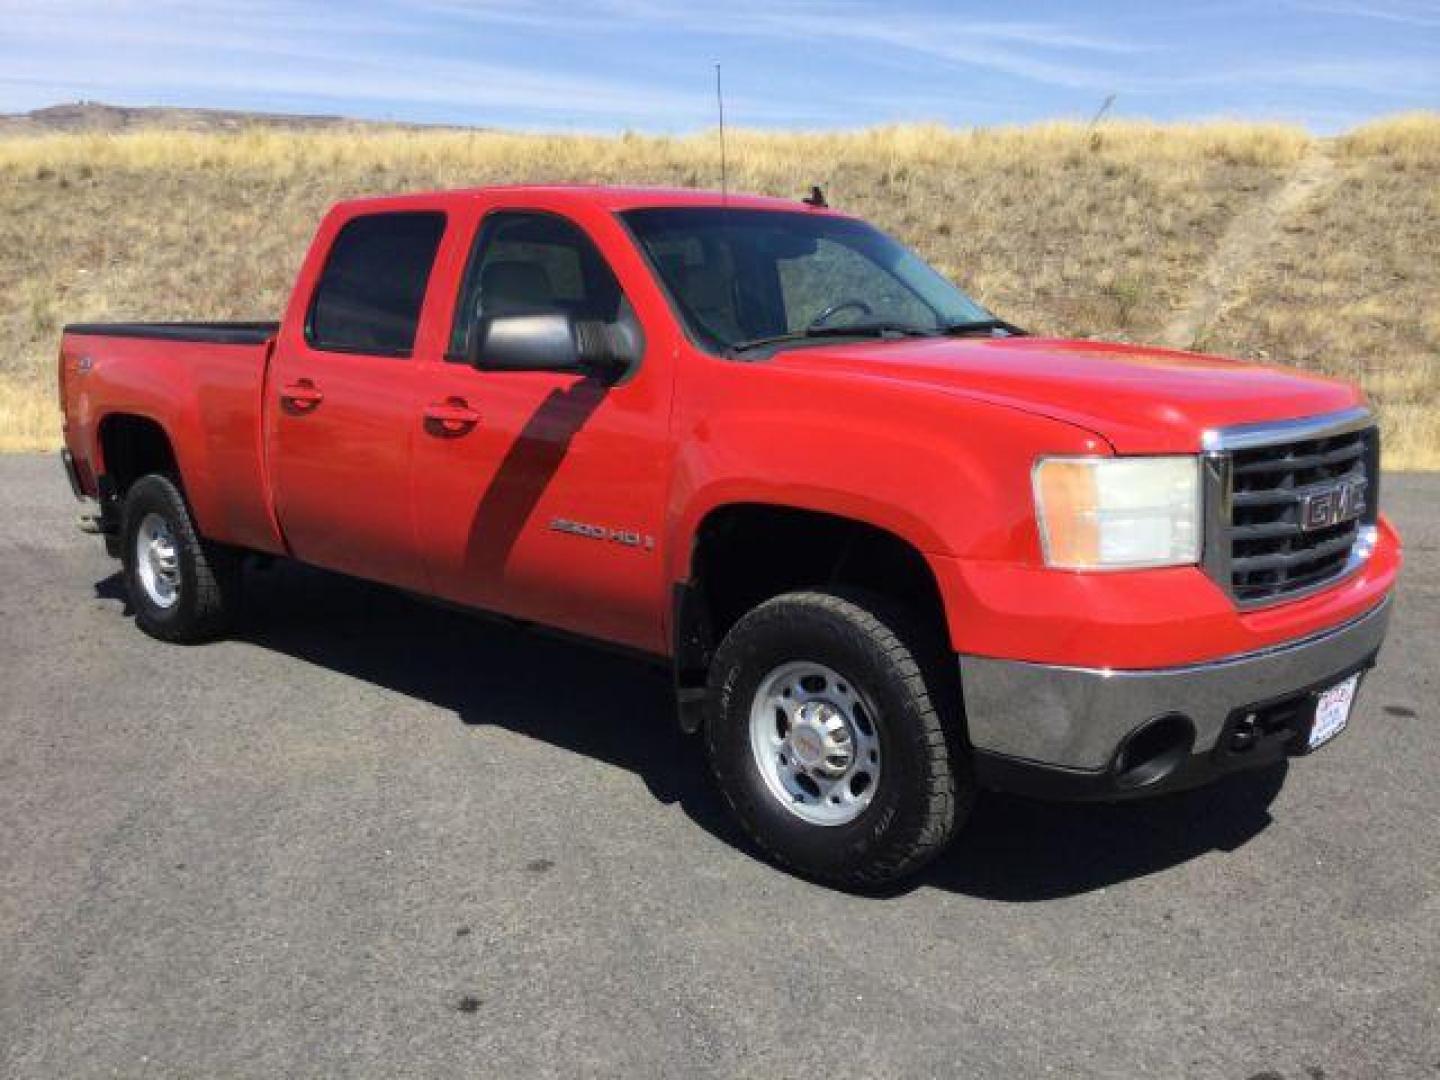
[[370, 837]]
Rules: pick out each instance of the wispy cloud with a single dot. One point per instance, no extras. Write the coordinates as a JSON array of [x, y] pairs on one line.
[[645, 63], [1415, 14], [295, 52], [1010, 47], [1041, 51]]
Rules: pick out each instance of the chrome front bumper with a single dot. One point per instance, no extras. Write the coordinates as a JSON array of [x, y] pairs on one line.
[[1076, 719]]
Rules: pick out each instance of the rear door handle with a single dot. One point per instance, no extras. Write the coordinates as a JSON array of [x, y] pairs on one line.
[[302, 395], [453, 416]]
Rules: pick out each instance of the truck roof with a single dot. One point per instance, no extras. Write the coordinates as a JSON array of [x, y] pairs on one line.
[[608, 197]]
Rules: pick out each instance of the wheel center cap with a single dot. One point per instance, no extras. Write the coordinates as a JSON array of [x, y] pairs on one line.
[[808, 744], [820, 739]]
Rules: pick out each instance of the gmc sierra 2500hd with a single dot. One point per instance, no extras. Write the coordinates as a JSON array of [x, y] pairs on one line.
[[894, 549]]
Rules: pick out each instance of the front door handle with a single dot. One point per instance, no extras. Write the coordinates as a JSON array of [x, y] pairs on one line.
[[301, 395], [453, 416]]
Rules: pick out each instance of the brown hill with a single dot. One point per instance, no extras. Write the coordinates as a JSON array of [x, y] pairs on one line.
[[95, 116], [1255, 240]]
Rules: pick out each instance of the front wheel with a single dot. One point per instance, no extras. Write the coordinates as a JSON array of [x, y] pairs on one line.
[[182, 587], [825, 733]]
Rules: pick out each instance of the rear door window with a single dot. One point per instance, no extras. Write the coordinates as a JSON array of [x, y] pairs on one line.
[[369, 295]]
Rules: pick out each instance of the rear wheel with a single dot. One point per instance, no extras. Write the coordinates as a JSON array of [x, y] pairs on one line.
[[182, 587], [825, 733]]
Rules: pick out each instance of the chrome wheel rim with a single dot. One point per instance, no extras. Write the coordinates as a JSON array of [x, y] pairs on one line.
[[815, 741], [157, 562]]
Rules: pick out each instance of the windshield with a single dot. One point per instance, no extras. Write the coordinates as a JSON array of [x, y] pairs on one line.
[[742, 277]]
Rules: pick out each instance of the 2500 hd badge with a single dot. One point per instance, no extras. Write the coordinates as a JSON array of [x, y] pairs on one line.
[[627, 537]]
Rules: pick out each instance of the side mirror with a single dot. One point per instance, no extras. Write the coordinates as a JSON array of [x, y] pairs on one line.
[[553, 341]]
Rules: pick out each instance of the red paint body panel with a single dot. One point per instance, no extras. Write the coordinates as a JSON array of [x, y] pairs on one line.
[[340, 465], [207, 397], [1142, 619], [1144, 400], [547, 447], [932, 440]]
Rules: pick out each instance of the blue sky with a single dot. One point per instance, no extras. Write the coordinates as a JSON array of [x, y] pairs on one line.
[[605, 65]]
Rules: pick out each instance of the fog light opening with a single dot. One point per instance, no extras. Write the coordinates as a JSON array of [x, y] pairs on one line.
[[1154, 751]]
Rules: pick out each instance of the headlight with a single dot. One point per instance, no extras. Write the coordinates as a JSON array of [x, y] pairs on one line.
[[1118, 513]]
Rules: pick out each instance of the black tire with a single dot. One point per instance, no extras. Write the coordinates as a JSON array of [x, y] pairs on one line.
[[924, 791], [208, 574]]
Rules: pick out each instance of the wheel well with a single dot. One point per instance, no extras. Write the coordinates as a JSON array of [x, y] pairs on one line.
[[747, 554], [132, 447]]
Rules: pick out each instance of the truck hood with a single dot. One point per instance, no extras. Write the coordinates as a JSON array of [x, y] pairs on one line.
[[1141, 400]]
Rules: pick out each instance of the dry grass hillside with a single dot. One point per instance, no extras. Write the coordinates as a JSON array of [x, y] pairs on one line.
[[1253, 239]]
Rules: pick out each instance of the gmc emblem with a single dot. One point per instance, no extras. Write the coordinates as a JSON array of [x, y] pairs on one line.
[[1322, 509]]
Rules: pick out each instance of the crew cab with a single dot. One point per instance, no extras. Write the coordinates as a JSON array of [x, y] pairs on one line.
[[894, 549]]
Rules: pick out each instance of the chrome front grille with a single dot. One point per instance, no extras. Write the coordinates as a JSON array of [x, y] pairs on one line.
[[1291, 506]]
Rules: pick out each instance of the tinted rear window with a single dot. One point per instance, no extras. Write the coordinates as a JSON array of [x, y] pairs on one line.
[[369, 295]]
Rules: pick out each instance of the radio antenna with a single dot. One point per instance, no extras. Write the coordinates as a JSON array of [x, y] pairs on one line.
[[720, 108]]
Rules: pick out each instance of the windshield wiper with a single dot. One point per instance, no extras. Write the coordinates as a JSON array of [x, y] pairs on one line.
[[981, 326], [859, 330]]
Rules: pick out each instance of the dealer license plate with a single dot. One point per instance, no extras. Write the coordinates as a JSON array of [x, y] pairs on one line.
[[1332, 712]]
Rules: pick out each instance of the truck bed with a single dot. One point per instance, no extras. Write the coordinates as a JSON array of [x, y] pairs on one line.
[[209, 333], [202, 382]]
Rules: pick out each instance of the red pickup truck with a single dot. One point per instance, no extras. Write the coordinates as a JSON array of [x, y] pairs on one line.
[[893, 549]]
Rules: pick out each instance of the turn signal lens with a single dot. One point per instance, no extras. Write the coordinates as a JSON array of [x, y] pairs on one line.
[[1118, 513]]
